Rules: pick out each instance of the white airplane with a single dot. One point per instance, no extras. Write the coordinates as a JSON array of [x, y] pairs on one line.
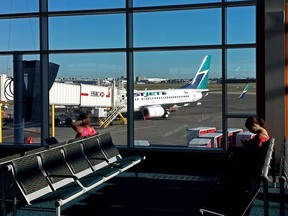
[[243, 93], [159, 103]]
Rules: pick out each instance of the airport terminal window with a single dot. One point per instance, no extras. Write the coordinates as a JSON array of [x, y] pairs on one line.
[[6, 65], [237, 126], [144, 3], [241, 63], [181, 65], [66, 5], [19, 6], [28, 28], [89, 70], [168, 40], [241, 78], [241, 25], [15, 129], [241, 98], [177, 28], [178, 67], [95, 66], [101, 31], [237, 123], [236, 0]]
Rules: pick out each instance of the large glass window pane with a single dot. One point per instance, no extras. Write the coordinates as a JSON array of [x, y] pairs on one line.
[[176, 28], [241, 98], [18, 6], [163, 73], [241, 25], [92, 83], [143, 3], [6, 65], [241, 63], [19, 34], [63, 5], [237, 132], [25, 122], [237, 0], [79, 32], [93, 66]]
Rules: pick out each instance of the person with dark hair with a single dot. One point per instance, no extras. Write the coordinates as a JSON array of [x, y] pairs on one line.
[[243, 164], [242, 168], [259, 127], [82, 126], [255, 149]]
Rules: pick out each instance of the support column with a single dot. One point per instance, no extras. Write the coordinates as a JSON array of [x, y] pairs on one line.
[[275, 70], [19, 119], [286, 68], [44, 71], [130, 73]]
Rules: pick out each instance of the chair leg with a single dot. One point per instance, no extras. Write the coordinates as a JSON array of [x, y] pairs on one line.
[[3, 201], [58, 210], [266, 201], [14, 201], [136, 172]]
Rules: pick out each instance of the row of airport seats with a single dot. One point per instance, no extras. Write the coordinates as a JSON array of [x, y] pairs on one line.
[[56, 175], [240, 182], [283, 176]]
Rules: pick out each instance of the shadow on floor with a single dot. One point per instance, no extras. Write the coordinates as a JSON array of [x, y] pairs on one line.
[[150, 195], [143, 196]]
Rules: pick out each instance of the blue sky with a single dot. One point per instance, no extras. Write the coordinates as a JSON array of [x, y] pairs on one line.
[[200, 27]]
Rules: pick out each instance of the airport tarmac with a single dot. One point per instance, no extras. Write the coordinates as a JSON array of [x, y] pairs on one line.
[[166, 131]]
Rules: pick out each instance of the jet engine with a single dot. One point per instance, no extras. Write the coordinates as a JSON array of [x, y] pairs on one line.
[[154, 111]]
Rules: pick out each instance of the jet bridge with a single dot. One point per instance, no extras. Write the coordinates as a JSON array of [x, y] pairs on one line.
[[82, 96]]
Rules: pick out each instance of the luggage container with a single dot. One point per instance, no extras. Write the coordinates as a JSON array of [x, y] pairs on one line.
[[198, 131], [232, 132], [200, 143], [245, 135], [141, 143], [216, 139]]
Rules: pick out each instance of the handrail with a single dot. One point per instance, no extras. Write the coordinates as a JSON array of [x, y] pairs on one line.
[[268, 158], [265, 172], [283, 176]]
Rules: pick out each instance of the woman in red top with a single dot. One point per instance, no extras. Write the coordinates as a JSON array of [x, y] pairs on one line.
[[82, 126], [245, 164], [255, 148], [257, 126]]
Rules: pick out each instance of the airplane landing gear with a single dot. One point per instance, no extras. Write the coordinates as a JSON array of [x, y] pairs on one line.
[[166, 114]]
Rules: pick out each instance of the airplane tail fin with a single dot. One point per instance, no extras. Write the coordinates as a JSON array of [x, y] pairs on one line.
[[200, 80], [243, 93]]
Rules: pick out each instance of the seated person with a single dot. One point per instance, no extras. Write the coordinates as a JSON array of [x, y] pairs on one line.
[[243, 164], [257, 126], [82, 126]]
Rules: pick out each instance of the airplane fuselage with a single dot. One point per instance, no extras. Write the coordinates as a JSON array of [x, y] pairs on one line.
[[165, 98]]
